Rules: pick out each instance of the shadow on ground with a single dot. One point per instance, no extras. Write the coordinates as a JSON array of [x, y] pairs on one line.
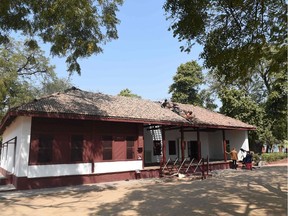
[[263, 192], [258, 192]]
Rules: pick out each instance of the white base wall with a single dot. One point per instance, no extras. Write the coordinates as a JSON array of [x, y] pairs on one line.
[[16, 161], [38, 171], [120, 166]]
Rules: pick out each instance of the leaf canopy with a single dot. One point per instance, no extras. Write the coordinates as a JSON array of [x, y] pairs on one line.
[[187, 81], [75, 29], [235, 34]]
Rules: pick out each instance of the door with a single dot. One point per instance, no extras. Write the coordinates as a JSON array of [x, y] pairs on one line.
[[193, 149]]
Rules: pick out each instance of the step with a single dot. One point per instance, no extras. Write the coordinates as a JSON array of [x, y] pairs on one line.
[[5, 180], [6, 188]]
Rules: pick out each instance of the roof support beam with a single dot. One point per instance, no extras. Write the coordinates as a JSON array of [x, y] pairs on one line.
[[163, 145], [224, 145], [199, 144], [182, 144]]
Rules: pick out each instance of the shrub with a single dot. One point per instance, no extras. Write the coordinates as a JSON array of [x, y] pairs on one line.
[[256, 158], [269, 157]]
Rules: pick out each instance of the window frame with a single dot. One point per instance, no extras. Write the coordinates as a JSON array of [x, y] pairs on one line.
[[45, 149], [104, 141], [228, 147], [157, 147], [76, 149], [170, 148], [130, 147]]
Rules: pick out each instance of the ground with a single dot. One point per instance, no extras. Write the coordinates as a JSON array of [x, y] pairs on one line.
[[262, 191]]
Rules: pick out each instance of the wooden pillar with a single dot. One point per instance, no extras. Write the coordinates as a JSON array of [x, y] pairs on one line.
[[140, 145], [207, 165], [224, 145], [163, 145], [182, 145], [199, 144]]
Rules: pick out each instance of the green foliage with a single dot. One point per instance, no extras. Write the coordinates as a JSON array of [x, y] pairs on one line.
[[276, 106], [245, 50], [285, 144], [206, 97], [13, 92], [236, 35], [74, 28], [52, 85], [256, 158], [239, 105], [25, 73], [127, 93], [269, 157], [187, 81]]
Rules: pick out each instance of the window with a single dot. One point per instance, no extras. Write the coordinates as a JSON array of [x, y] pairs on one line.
[[228, 146], [107, 147], [77, 148], [130, 147], [45, 149], [157, 147], [172, 147]]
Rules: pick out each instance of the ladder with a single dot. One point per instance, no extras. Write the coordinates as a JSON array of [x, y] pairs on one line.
[[189, 165], [183, 162], [197, 165], [170, 165]]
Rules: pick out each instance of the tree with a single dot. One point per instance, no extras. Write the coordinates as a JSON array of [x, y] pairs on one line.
[[13, 92], [186, 86], [245, 50], [207, 98], [25, 73], [269, 90], [236, 34], [52, 85], [238, 104], [241, 104], [128, 93], [74, 28], [276, 106]]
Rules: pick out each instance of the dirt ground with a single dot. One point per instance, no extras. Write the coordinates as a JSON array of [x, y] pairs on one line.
[[262, 191]]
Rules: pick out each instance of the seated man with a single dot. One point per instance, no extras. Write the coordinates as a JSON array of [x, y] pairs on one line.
[[248, 160]]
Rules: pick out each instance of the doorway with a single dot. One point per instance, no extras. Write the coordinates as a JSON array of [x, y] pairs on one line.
[[193, 150]]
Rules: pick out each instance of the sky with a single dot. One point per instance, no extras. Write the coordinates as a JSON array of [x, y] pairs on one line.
[[143, 59]]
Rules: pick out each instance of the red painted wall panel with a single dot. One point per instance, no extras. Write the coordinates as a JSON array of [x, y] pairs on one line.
[[62, 129]]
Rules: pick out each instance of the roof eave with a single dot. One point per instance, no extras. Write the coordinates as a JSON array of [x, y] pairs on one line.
[[93, 117], [6, 120]]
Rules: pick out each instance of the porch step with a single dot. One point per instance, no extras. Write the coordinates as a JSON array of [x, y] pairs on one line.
[[5, 180], [6, 188]]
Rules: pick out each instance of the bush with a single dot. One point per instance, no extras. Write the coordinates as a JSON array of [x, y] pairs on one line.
[[256, 158], [269, 157]]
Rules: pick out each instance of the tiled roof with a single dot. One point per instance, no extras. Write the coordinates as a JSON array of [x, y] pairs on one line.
[[201, 116], [75, 102], [78, 102]]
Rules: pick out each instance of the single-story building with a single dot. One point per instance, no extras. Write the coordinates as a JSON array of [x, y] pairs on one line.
[[80, 137]]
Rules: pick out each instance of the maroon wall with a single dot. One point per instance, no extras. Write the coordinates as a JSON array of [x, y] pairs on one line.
[[62, 129], [23, 183]]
